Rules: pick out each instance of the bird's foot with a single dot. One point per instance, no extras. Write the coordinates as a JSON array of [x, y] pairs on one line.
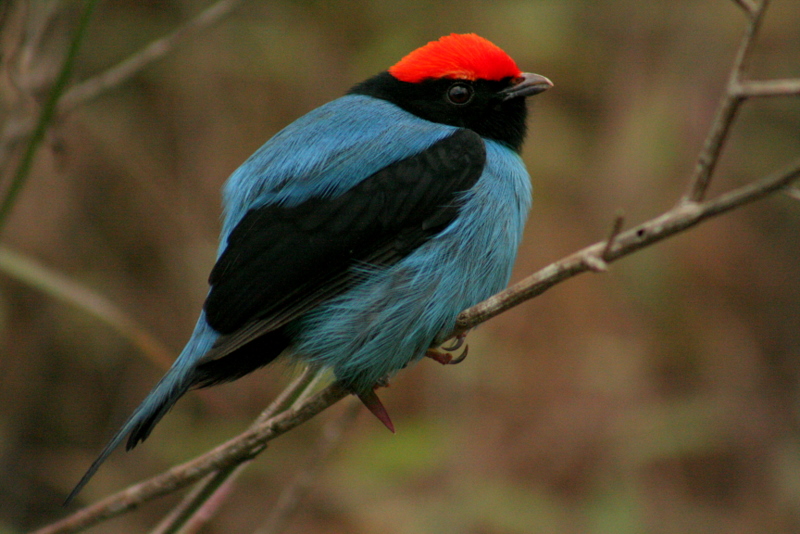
[[374, 405], [447, 359]]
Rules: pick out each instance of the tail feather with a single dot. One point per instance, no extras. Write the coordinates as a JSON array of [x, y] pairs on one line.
[[165, 394], [141, 422], [188, 371]]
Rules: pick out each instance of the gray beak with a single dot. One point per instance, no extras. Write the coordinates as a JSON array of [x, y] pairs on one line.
[[527, 85]]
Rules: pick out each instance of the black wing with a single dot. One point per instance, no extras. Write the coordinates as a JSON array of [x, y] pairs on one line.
[[280, 262]]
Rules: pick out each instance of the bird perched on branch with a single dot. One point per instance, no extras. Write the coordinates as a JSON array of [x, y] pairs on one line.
[[354, 237]]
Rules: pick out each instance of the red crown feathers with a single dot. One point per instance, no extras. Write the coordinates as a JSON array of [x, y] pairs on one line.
[[463, 56]]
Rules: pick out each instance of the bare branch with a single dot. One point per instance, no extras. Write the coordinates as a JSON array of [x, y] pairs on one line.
[[209, 493], [726, 112], [616, 228], [249, 444], [46, 114], [598, 263], [290, 395], [693, 209], [15, 130]]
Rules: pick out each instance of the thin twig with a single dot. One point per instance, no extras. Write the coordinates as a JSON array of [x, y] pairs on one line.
[[206, 503], [214, 502], [691, 211], [726, 112], [215, 485], [123, 71], [179, 515], [289, 396], [616, 228], [254, 440], [115, 76], [598, 263]]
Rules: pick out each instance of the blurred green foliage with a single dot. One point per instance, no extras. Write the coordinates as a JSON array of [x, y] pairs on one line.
[[661, 397]]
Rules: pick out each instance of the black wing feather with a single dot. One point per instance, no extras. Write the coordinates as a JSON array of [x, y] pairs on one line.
[[280, 262]]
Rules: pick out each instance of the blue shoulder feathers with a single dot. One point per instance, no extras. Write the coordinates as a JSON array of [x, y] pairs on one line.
[[325, 152]]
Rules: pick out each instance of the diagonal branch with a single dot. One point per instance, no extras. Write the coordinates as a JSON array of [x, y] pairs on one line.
[[292, 495], [46, 115], [692, 210], [298, 392], [678, 219], [63, 288]]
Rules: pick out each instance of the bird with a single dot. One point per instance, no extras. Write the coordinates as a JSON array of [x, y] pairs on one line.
[[353, 238]]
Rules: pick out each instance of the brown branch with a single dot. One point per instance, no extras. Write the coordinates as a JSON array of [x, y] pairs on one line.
[[210, 493], [63, 288], [207, 488], [616, 228], [726, 112], [689, 212], [598, 263]]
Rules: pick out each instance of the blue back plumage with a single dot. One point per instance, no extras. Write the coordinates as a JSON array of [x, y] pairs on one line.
[[325, 153]]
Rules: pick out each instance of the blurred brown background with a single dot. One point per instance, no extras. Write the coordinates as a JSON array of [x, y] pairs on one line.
[[661, 397]]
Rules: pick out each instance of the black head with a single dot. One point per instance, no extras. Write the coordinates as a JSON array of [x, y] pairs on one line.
[[489, 108]]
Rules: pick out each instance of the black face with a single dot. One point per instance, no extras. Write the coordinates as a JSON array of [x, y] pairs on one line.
[[476, 105]]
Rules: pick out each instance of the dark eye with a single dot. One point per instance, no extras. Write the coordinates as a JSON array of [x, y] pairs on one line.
[[459, 93]]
